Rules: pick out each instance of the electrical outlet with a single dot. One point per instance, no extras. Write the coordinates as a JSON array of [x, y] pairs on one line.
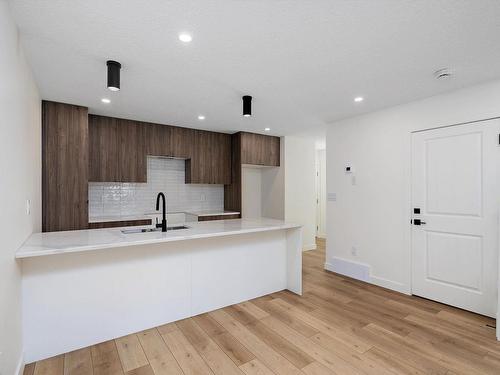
[[28, 207], [354, 251]]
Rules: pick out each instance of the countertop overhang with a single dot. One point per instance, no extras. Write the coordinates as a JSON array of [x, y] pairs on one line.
[[52, 243]]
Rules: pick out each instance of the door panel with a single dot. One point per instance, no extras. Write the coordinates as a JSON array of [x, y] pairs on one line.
[[467, 252], [455, 185], [454, 170]]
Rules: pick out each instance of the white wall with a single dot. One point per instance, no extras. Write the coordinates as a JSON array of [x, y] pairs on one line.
[[288, 192], [251, 194], [300, 186], [373, 215], [20, 179]]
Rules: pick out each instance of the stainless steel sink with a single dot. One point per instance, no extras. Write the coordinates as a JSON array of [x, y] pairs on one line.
[[148, 230]]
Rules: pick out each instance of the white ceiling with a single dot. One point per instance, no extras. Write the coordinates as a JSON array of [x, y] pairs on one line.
[[303, 61]]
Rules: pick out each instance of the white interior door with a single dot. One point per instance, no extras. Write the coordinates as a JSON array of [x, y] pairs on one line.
[[455, 186]]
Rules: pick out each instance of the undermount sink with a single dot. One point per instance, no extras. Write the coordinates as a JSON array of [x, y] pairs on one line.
[[148, 230]]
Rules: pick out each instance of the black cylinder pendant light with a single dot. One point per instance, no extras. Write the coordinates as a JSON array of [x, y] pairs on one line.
[[247, 106], [113, 75]]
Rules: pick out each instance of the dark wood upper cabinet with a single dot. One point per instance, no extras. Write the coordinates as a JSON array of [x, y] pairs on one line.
[[182, 142], [117, 150], [210, 162], [103, 149], [65, 163], [258, 149], [78, 148], [159, 140], [132, 151]]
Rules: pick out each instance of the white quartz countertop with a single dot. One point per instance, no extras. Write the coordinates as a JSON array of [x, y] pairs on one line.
[[51, 243]]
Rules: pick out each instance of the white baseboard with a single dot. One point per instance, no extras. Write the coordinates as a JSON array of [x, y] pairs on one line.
[[20, 366], [359, 271], [309, 247], [362, 271], [389, 284], [321, 235]]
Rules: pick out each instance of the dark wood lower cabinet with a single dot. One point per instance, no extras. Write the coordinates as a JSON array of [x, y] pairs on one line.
[[218, 217], [117, 224], [65, 165]]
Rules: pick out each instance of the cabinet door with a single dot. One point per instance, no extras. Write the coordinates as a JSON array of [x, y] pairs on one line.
[[65, 164], [132, 151], [182, 142], [272, 151], [103, 149], [221, 162], [158, 139], [258, 149], [210, 162], [199, 166]]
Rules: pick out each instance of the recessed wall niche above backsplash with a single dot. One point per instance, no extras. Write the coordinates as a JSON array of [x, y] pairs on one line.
[[164, 174]]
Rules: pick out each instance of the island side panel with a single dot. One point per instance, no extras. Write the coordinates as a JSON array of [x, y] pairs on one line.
[[71, 301], [294, 260], [225, 275]]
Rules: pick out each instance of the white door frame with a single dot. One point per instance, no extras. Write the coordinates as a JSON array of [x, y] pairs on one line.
[[409, 208], [320, 194]]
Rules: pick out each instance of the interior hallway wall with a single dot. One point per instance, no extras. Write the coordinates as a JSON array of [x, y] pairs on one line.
[[368, 222], [288, 192], [300, 186], [20, 180]]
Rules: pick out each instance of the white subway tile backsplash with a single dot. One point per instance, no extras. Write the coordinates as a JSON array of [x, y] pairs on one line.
[[166, 175]]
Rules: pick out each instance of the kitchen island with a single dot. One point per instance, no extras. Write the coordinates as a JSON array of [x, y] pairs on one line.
[[85, 287]]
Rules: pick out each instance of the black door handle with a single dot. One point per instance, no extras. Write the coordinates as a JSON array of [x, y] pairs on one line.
[[418, 222]]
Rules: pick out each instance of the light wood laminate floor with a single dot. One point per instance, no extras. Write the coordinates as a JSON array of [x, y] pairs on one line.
[[339, 326]]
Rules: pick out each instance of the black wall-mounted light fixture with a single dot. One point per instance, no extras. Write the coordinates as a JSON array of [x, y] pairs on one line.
[[247, 106], [113, 75]]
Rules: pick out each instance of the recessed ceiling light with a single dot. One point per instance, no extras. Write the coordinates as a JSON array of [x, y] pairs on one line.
[[201, 117], [358, 99], [267, 129], [105, 100], [184, 37]]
